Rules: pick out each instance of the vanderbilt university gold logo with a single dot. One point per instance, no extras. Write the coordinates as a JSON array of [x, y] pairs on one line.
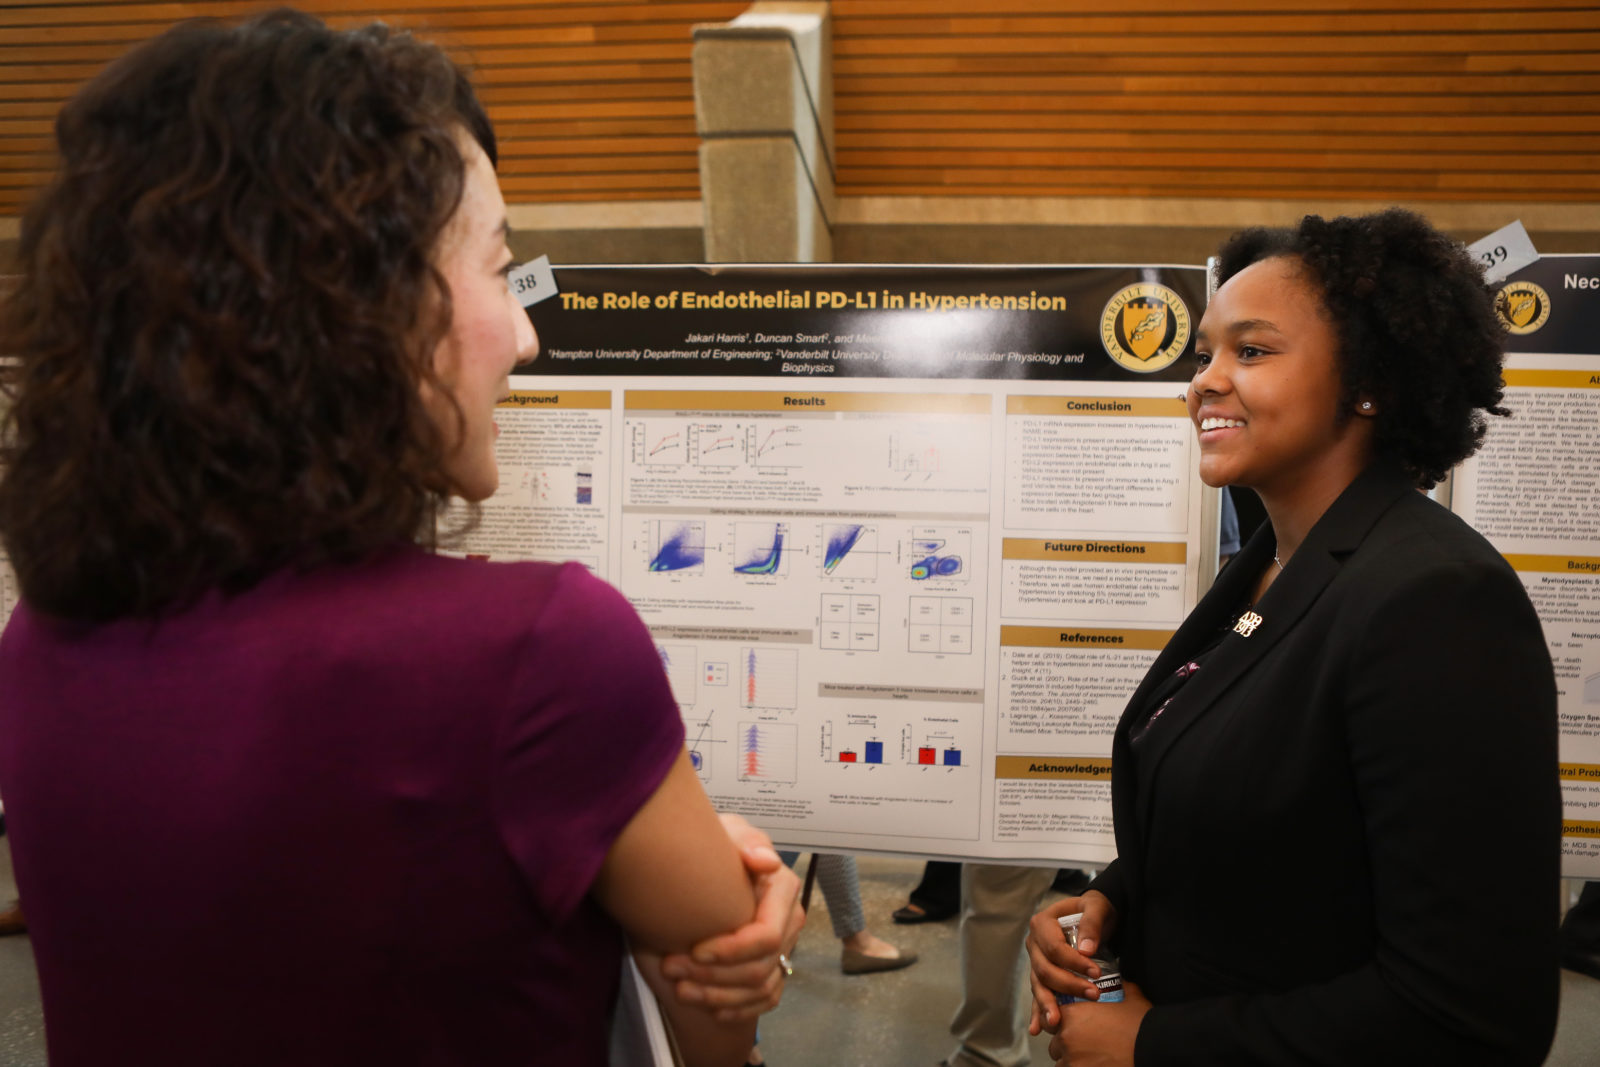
[[1145, 327], [1522, 307]]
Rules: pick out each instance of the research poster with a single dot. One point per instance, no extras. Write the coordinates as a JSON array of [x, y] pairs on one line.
[[1534, 491], [906, 538]]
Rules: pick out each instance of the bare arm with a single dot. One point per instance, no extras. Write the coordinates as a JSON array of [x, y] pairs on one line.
[[671, 879], [739, 973]]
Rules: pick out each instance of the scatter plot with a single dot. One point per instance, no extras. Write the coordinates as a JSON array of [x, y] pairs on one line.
[[936, 555], [850, 551], [677, 546], [769, 678], [700, 742], [760, 548], [767, 751]]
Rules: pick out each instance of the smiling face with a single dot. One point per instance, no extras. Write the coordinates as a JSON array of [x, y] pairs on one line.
[[489, 331], [1266, 400]]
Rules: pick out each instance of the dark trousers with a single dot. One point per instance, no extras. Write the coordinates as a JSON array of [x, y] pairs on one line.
[[1580, 933], [939, 892]]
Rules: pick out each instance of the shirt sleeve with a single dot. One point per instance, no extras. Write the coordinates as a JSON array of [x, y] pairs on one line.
[[1450, 722], [589, 742]]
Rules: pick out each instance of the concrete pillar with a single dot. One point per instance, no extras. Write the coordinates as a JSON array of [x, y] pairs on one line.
[[763, 100]]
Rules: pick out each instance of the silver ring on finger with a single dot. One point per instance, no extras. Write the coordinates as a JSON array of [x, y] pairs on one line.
[[785, 966]]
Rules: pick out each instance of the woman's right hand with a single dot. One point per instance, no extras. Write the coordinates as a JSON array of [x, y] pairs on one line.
[[1057, 967]]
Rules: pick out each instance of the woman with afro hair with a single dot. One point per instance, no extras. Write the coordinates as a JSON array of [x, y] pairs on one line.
[[1360, 710]]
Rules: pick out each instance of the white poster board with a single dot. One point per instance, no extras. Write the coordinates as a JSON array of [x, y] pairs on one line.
[[907, 538], [1534, 491]]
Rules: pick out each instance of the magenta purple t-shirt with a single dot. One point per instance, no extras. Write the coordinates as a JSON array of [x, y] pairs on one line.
[[347, 817]]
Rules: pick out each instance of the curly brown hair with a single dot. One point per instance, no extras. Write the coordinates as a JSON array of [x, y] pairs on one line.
[[1416, 326], [227, 311]]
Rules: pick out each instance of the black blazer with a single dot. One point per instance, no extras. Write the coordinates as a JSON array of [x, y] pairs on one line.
[[1341, 842]]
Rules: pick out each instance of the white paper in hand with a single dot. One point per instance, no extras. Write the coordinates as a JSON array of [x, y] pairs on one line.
[[532, 282], [1504, 252]]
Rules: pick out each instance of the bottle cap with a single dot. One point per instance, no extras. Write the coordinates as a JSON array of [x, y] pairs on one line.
[[1069, 927]]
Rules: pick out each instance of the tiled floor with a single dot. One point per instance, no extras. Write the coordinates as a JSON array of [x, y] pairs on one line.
[[827, 1019]]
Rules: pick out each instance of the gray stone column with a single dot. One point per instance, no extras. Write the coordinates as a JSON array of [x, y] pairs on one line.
[[763, 98]]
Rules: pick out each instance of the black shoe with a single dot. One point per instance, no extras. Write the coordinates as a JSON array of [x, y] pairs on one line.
[[1583, 962], [912, 914]]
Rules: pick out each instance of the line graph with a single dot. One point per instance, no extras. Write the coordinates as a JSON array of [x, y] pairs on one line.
[[775, 446], [717, 444], [657, 442], [666, 447]]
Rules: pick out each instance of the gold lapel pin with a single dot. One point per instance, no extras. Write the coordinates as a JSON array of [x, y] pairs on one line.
[[1247, 624]]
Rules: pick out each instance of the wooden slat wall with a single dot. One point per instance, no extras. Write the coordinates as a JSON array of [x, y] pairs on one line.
[[1493, 100], [1387, 99], [591, 101]]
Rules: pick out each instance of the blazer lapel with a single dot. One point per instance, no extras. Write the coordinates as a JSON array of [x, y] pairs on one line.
[[1230, 589], [1213, 610], [1338, 533]]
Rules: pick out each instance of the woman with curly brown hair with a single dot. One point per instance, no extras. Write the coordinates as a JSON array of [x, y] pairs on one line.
[[1360, 708], [282, 786]]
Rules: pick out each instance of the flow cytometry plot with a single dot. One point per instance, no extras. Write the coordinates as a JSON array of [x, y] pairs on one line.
[[767, 751], [775, 446], [677, 546], [769, 678], [935, 554], [850, 551], [682, 667], [761, 548], [699, 741]]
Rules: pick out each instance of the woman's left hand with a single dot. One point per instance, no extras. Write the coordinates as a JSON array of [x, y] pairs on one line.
[[1100, 1035]]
